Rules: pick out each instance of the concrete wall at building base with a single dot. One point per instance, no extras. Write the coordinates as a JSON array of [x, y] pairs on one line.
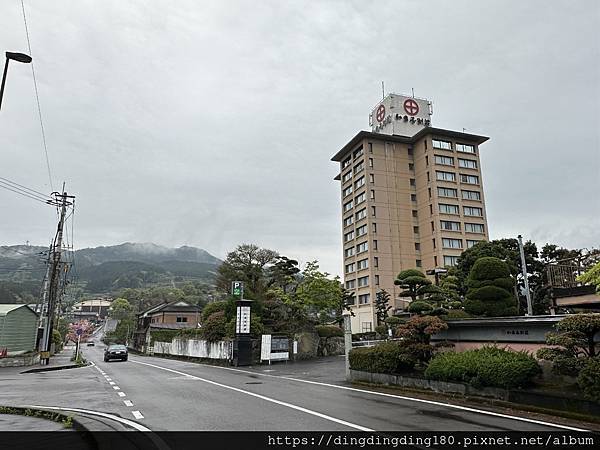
[[20, 360], [308, 345], [331, 346], [194, 348]]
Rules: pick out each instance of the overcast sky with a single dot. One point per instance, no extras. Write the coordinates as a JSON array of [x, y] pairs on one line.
[[213, 123]]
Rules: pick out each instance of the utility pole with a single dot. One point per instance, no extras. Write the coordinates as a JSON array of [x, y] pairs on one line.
[[55, 271], [526, 281]]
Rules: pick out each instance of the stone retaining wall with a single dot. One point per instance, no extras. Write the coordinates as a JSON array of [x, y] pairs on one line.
[[20, 360]]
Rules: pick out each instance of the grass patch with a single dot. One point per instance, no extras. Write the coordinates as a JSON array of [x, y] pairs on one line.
[[66, 421]]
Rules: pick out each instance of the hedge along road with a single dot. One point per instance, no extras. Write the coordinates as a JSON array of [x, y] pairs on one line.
[[177, 395]]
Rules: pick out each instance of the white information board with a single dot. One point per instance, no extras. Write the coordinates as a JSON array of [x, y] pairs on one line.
[[243, 320]]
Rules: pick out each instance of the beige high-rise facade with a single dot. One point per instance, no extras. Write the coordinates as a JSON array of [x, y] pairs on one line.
[[413, 201]]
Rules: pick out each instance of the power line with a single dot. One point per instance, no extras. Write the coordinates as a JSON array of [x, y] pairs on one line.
[[37, 97], [23, 193], [24, 187]]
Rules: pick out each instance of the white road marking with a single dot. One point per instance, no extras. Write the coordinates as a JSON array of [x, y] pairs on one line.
[[116, 388], [112, 383], [121, 394], [401, 397], [262, 397], [137, 414], [131, 423], [128, 402]]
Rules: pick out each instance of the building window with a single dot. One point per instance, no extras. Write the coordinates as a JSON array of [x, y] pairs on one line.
[[360, 182], [471, 195], [414, 213], [450, 226], [361, 214], [362, 230], [348, 221], [348, 206], [362, 264], [360, 198], [433, 243], [373, 211], [450, 260], [374, 245], [363, 281], [442, 145], [447, 192], [471, 243], [432, 227], [411, 167], [467, 163], [370, 162], [430, 209], [448, 209], [348, 236], [417, 246], [416, 230], [358, 152], [181, 319], [348, 191], [435, 261], [374, 227], [346, 162], [347, 177], [418, 263], [359, 168], [350, 267], [349, 252], [472, 211], [413, 183], [428, 176], [465, 148], [427, 161], [362, 247], [372, 194], [451, 243], [444, 160], [370, 144], [362, 300], [425, 144], [474, 228], [469, 179], [445, 176], [410, 151], [371, 178], [350, 284], [413, 197], [376, 261], [376, 280], [429, 192]]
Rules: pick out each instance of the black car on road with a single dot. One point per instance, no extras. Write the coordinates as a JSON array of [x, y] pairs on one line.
[[115, 351]]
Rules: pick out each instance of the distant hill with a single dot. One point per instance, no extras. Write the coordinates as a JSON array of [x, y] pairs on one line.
[[104, 269]]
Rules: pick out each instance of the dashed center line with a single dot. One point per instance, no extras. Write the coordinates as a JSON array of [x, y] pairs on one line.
[[128, 402], [116, 388], [111, 383], [137, 414], [121, 394]]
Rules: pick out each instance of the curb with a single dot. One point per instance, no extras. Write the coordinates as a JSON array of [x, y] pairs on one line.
[[20, 411], [50, 369]]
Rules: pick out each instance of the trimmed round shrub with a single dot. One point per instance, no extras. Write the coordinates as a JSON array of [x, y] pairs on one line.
[[589, 379], [487, 366], [381, 330], [393, 321], [327, 331], [387, 357], [489, 268], [214, 328], [456, 314], [212, 308], [419, 307]]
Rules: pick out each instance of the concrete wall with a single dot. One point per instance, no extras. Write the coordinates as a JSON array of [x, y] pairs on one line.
[[20, 360], [194, 348]]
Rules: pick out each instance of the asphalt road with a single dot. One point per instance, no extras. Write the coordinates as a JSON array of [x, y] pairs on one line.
[[164, 394]]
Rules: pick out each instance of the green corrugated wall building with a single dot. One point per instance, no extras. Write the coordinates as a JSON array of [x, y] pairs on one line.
[[18, 328]]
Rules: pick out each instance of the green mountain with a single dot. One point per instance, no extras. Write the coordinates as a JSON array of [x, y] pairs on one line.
[[105, 269]]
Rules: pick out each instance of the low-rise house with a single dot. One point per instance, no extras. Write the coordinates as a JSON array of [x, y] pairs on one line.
[[18, 329], [166, 316], [93, 309]]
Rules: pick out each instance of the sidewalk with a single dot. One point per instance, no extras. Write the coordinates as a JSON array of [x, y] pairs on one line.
[[58, 361]]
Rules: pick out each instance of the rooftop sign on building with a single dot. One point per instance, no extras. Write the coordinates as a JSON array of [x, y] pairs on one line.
[[401, 115]]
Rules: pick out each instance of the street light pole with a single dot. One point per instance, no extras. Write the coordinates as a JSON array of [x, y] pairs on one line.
[[525, 280], [20, 57]]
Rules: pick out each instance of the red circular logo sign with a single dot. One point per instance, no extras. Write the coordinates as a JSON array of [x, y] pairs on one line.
[[380, 115], [411, 107]]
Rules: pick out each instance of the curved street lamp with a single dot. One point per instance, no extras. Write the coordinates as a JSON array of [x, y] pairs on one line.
[[19, 57]]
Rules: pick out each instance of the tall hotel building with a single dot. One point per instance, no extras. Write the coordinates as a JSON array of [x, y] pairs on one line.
[[411, 197]]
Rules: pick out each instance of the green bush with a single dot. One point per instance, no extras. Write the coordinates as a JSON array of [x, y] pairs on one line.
[[381, 330], [487, 366], [589, 379], [162, 335], [327, 331], [456, 314], [419, 307], [214, 327], [212, 308], [57, 340], [387, 357], [393, 321], [489, 268]]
